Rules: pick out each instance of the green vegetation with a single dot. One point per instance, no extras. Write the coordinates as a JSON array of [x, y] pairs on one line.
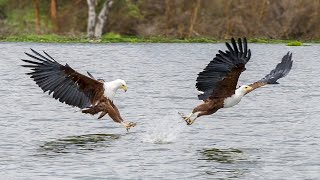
[[107, 38], [117, 38], [276, 41], [295, 43], [43, 38]]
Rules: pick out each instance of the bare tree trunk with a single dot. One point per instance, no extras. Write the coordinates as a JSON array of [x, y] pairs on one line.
[[168, 16], [194, 17], [53, 12], [228, 21], [91, 18], [37, 14], [102, 19], [96, 24]]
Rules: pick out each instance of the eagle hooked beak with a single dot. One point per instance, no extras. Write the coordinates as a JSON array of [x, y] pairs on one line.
[[249, 88], [124, 87]]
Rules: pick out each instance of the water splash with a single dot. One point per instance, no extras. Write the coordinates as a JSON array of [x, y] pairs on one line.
[[167, 130]]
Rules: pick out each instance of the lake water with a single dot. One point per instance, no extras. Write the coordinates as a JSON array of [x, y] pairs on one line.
[[274, 133]]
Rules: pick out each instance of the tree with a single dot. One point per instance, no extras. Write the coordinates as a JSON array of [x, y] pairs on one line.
[[37, 15], [96, 24], [53, 13], [193, 17]]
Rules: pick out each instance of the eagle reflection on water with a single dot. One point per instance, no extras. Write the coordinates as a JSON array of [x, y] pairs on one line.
[[221, 155], [75, 143], [224, 163]]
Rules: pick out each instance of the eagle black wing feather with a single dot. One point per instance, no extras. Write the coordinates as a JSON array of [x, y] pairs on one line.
[[67, 85], [281, 70], [220, 77]]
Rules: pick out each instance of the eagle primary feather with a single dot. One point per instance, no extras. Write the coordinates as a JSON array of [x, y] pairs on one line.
[[281, 70], [67, 85], [220, 77]]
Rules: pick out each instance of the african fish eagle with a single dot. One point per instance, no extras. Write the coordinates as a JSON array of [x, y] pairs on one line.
[[217, 83], [73, 88]]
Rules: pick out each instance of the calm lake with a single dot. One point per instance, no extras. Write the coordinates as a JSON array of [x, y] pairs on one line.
[[274, 133]]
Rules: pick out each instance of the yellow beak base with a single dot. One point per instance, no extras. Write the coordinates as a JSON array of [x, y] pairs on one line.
[[124, 88]]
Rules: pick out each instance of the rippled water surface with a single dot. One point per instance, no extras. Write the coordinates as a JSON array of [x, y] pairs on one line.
[[274, 133]]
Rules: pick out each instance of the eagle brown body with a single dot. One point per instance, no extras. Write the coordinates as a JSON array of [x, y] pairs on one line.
[[218, 81], [209, 106], [75, 89], [105, 106]]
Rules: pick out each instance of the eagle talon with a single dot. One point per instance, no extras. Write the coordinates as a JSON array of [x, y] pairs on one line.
[[181, 114], [189, 121], [185, 117], [128, 125]]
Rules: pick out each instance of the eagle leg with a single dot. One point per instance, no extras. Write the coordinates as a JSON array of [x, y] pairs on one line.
[[201, 113], [91, 110], [190, 121], [100, 107], [102, 114]]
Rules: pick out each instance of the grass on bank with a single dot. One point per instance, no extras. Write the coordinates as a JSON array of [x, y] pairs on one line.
[[108, 38], [116, 38], [277, 41], [295, 43], [43, 38]]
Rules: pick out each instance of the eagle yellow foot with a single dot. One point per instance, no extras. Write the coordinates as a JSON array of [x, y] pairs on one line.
[[186, 118], [189, 121], [128, 125]]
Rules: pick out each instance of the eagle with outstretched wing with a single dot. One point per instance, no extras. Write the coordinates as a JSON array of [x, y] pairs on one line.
[[217, 83], [75, 89]]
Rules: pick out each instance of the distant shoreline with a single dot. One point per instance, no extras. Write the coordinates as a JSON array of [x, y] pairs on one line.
[[116, 38]]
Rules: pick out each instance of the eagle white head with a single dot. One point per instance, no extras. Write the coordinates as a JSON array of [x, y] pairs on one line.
[[237, 96], [242, 90], [110, 88]]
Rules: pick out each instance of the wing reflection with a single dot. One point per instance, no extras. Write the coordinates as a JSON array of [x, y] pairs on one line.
[[75, 143]]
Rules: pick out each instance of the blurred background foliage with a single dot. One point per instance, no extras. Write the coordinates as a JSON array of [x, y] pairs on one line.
[[181, 19]]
